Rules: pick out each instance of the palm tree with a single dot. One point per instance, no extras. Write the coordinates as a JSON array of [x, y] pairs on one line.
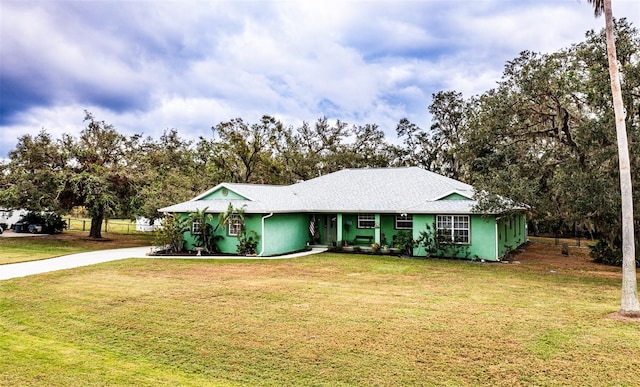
[[629, 303]]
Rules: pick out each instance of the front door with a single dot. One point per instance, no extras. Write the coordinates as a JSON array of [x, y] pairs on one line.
[[329, 226]]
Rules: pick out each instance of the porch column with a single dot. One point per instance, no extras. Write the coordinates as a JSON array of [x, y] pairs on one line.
[[339, 227], [376, 230]]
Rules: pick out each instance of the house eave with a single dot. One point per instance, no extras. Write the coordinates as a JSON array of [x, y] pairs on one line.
[[378, 191], [183, 207]]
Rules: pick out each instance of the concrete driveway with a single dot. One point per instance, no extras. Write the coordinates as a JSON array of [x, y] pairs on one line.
[[23, 269]]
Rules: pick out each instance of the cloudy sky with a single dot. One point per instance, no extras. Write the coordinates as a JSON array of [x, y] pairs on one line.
[[146, 66]]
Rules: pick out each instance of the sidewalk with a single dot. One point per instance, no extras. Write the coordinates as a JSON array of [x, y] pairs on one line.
[[23, 269]]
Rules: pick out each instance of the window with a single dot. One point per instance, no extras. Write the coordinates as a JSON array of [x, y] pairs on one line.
[[196, 227], [519, 225], [404, 222], [366, 220], [453, 228], [235, 225]]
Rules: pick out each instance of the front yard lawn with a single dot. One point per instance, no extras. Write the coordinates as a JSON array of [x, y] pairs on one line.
[[327, 319]]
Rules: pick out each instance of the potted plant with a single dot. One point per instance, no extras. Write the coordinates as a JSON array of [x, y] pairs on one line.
[[375, 247]]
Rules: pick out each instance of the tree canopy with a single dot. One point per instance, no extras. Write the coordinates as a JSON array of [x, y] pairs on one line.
[[544, 136]]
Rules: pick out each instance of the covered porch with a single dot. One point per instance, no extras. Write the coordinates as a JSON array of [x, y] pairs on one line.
[[358, 229]]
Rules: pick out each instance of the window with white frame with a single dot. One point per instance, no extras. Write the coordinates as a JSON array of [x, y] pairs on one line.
[[366, 220], [404, 222], [196, 227], [235, 225], [453, 228]]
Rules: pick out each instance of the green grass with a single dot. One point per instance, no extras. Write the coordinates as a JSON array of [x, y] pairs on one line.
[[30, 248], [326, 319]]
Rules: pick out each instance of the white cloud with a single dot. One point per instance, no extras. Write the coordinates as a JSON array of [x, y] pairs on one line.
[[147, 66]]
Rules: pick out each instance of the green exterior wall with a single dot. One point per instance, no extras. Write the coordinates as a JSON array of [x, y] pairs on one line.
[[349, 231], [420, 222], [382, 235], [220, 194], [481, 235], [455, 196], [189, 239], [512, 233], [228, 244], [350, 227], [285, 233], [290, 232]]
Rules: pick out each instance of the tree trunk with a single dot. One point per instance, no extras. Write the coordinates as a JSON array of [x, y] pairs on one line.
[[629, 303], [96, 226]]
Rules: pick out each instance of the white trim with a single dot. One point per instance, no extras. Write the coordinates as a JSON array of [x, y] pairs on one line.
[[207, 192], [263, 234], [358, 220], [453, 228], [199, 227], [395, 221], [232, 224]]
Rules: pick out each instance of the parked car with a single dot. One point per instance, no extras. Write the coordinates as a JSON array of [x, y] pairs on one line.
[[35, 228], [20, 227]]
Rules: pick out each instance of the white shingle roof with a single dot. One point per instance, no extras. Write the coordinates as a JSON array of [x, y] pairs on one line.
[[383, 190]]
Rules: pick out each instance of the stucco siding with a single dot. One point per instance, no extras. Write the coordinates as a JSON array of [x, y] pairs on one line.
[[290, 232], [350, 230], [284, 233], [455, 196], [223, 193], [228, 244], [511, 233], [481, 238]]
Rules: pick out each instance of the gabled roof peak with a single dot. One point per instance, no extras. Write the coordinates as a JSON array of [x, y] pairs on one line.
[[468, 195]]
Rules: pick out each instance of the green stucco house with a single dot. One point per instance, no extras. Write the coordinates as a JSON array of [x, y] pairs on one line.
[[361, 206]]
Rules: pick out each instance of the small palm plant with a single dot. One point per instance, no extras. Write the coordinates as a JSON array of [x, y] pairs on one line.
[[203, 231], [247, 241], [170, 234]]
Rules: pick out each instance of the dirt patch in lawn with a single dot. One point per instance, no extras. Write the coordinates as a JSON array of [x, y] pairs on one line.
[[619, 317], [550, 258]]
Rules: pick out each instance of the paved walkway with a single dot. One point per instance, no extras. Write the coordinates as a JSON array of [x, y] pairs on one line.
[[11, 234], [23, 269]]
